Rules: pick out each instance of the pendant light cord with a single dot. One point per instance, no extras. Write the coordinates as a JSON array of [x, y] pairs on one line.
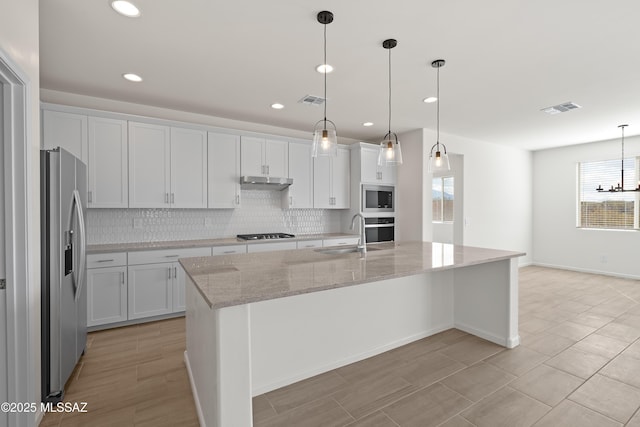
[[389, 93], [622, 161], [325, 76], [438, 108]]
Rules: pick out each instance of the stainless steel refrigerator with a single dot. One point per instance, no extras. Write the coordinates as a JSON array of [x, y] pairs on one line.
[[63, 189]]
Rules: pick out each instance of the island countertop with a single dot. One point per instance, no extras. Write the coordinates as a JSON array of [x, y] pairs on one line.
[[230, 280]]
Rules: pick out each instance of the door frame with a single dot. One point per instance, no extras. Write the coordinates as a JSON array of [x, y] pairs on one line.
[[21, 296]]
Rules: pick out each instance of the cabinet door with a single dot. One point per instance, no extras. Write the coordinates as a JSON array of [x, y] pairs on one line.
[[388, 174], [322, 197], [369, 165], [179, 279], [106, 295], [150, 290], [301, 171], [149, 165], [188, 168], [252, 156], [341, 179], [65, 130], [107, 165], [224, 170], [270, 246], [276, 158]]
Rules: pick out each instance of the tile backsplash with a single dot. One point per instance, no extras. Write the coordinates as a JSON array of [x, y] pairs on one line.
[[260, 212]]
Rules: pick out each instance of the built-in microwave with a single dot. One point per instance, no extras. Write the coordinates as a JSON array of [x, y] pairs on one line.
[[377, 198], [379, 229]]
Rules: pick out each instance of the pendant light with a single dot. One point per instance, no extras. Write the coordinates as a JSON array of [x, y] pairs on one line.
[[620, 187], [325, 140], [390, 152], [438, 161]]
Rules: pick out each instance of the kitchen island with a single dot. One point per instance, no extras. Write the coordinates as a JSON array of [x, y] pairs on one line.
[[258, 322]]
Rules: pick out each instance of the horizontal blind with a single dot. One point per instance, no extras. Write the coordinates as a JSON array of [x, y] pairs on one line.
[[436, 200], [447, 199], [607, 209]]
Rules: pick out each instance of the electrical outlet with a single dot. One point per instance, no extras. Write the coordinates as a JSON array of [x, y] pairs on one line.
[[137, 222], [603, 259]]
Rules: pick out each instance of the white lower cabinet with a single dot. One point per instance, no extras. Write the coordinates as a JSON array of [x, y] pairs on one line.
[[341, 241], [306, 244], [106, 295], [229, 250], [150, 290]]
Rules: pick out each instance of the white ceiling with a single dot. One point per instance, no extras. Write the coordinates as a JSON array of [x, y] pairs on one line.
[[506, 60]]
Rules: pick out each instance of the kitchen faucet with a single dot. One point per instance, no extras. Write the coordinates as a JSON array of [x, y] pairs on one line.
[[362, 242]]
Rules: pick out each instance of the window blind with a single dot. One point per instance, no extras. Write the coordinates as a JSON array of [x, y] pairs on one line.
[[606, 209]]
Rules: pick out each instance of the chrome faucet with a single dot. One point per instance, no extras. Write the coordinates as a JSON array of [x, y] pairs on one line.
[[362, 243]]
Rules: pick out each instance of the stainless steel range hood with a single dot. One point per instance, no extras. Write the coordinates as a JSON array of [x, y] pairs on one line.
[[264, 183]]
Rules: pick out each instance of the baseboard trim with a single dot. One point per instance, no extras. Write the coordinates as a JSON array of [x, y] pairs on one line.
[[586, 270], [508, 342], [194, 391]]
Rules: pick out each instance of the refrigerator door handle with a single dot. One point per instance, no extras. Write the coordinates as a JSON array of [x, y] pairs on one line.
[[77, 205]]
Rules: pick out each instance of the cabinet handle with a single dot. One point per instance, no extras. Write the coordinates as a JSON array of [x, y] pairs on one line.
[[342, 243], [290, 200], [175, 272], [122, 277], [171, 256], [90, 196], [105, 260], [166, 197], [229, 252], [237, 199], [173, 199], [169, 272], [309, 246], [262, 169], [267, 169]]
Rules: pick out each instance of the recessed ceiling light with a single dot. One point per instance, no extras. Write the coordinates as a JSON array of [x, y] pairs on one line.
[[367, 124], [324, 68], [277, 106], [125, 8], [430, 99], [132, 77]]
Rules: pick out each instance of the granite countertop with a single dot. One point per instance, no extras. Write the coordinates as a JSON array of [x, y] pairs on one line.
[[244, 278], [179, 244]]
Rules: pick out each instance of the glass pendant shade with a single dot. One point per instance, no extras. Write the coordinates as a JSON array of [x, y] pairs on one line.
[[325, 141], [438, 160], [390, 152]]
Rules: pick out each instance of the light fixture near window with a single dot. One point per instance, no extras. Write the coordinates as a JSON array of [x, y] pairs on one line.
[[438, 161], [390, 152], [325, 139], [620, 187]]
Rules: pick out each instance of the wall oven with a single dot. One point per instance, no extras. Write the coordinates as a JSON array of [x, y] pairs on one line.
[[379, 229], [377, 198]]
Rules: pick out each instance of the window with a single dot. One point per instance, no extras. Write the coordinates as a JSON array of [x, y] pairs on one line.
[[609, 210], [442, 199]]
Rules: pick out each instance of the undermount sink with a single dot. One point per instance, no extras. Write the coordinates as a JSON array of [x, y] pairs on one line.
[[344, 250]]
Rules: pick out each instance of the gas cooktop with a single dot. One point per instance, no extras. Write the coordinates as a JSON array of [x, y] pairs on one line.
[[263, 236]]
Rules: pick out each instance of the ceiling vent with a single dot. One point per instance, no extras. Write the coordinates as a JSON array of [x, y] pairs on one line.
[[561, 108], [311, 100]]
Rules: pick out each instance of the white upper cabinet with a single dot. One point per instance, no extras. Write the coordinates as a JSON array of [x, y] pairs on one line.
[[188, 168], [264, 157], [300, 193], [66, 130], [107, 163], [149, 165], [331, 181], [167, 167], [370, 172], [224, 170]]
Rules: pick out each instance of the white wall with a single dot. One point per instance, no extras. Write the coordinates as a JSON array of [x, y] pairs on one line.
[[19, 39], [497, 192], [557, 240]]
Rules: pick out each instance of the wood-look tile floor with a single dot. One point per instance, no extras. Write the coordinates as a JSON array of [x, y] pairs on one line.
[[578, 365]]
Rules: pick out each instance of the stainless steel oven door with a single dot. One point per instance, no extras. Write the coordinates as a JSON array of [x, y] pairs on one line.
[[379, 230]]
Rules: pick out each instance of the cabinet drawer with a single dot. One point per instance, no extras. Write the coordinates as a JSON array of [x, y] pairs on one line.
[[229, 249], [166, 255], [303, 244], [271, 246], [111, 259], [341, 241]]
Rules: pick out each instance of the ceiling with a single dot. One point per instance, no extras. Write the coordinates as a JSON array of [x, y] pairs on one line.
[[505, 61]]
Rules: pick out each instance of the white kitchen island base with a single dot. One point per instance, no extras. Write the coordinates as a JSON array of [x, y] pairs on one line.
[[240, 351]]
